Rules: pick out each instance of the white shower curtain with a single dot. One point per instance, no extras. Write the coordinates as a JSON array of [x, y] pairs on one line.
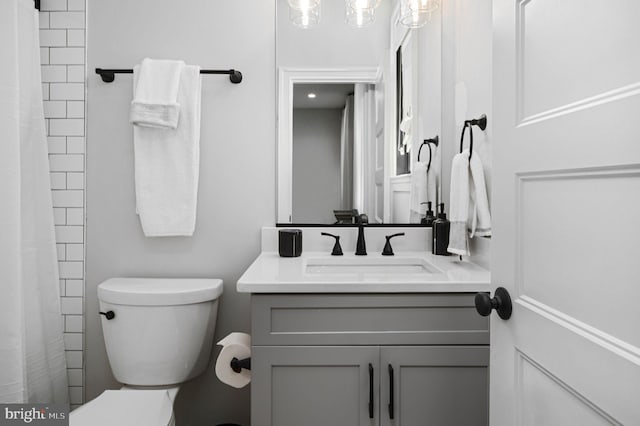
[[32, 361]]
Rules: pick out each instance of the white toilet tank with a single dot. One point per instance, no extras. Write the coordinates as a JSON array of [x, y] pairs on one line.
[[161, 332]]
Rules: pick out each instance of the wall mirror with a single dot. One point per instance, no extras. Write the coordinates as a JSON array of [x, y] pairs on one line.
[[354, 108]]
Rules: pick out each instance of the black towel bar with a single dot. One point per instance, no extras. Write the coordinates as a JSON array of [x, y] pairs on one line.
[[108, 75]]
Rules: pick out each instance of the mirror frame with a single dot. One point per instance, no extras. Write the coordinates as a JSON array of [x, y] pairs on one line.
[[287, 77]]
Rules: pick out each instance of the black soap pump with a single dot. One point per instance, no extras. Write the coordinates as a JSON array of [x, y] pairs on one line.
[[428, 218], [441, 228]]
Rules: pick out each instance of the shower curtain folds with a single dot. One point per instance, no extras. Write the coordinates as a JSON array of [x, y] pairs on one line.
[[32, 359]]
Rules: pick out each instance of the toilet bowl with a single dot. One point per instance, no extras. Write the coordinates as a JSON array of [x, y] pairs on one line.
[[158, 334], [127, 407]]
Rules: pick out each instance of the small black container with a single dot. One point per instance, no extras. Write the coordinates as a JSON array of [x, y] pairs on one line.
[[441, 227], [290, 242], [428, 218]]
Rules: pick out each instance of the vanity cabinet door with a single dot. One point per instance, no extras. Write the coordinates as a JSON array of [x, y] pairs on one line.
[[434, 385], [315, 386]]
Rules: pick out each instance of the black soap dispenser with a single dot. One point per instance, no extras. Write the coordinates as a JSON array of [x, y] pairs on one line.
[[441, 228], [428, 218]]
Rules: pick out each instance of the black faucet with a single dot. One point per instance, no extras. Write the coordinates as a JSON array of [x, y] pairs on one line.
[[361, 246], [337, 250], [388, 250]]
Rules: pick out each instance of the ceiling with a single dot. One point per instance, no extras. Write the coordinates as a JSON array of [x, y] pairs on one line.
[[327, 95]]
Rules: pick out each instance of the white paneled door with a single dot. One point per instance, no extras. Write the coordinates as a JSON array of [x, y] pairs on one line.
[[566, 208]]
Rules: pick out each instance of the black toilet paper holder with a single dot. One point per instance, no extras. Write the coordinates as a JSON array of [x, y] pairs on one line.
[[238, 364]]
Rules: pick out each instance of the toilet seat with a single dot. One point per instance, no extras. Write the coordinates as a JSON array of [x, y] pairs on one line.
[[126, 408]]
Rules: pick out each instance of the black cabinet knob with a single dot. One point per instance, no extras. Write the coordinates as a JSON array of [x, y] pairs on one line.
[[501, 302]]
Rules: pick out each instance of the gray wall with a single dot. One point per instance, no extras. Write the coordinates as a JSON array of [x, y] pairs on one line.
[[316, 164], [466, 92], [237, 174]]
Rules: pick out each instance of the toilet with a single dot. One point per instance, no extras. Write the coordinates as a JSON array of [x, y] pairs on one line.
[[158, 333]]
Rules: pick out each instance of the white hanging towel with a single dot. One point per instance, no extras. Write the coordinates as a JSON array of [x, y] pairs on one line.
[[459, 204], [167, 164], [155, 102], [418, 192], [469, 205], [423, 189], [406, 126], [479, 214]]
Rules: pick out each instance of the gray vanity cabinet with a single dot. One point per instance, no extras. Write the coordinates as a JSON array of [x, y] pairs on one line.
[[324, 360], [434, 385], [314, 386]]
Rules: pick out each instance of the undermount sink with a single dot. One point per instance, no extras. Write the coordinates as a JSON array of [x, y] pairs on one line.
[[369, 265]]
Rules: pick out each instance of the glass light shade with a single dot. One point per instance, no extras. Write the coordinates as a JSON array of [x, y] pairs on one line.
[[414, 19], [303, 4], [412, 16], [423, 6], [362, 4], [305, 18], [360, 18]]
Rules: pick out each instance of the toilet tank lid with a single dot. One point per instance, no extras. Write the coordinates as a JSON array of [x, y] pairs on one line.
[[159, 291]]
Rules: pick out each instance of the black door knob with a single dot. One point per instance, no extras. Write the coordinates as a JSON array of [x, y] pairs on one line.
[[501, 302]]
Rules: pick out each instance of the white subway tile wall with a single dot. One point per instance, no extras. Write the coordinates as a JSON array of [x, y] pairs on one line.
[[54, 73], [62, 53], [54, 5]]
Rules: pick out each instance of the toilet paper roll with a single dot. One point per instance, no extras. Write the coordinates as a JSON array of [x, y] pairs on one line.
[[235, 345]]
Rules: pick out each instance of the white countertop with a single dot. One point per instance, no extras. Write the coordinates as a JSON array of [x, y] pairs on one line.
[[270, 273]]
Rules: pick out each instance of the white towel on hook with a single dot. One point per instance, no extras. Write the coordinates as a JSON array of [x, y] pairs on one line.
[[459, 204], [423, 189], [406, 127], [469, 204], [155, 102], [167, 165], [479, 214], [419, 191]]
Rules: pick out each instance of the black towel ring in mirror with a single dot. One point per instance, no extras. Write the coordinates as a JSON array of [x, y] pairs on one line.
[[480, 122], [435, 141]]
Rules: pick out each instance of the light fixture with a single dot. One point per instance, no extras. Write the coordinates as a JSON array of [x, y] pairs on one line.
[[358, 13], [362, 4], [311, 95], [303, 4], [424, 6], [416, 13], [307, 16], [360, 18]]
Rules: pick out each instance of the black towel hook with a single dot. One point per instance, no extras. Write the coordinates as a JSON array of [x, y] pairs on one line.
[[480, 122], [464, 128], [435, 141]]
